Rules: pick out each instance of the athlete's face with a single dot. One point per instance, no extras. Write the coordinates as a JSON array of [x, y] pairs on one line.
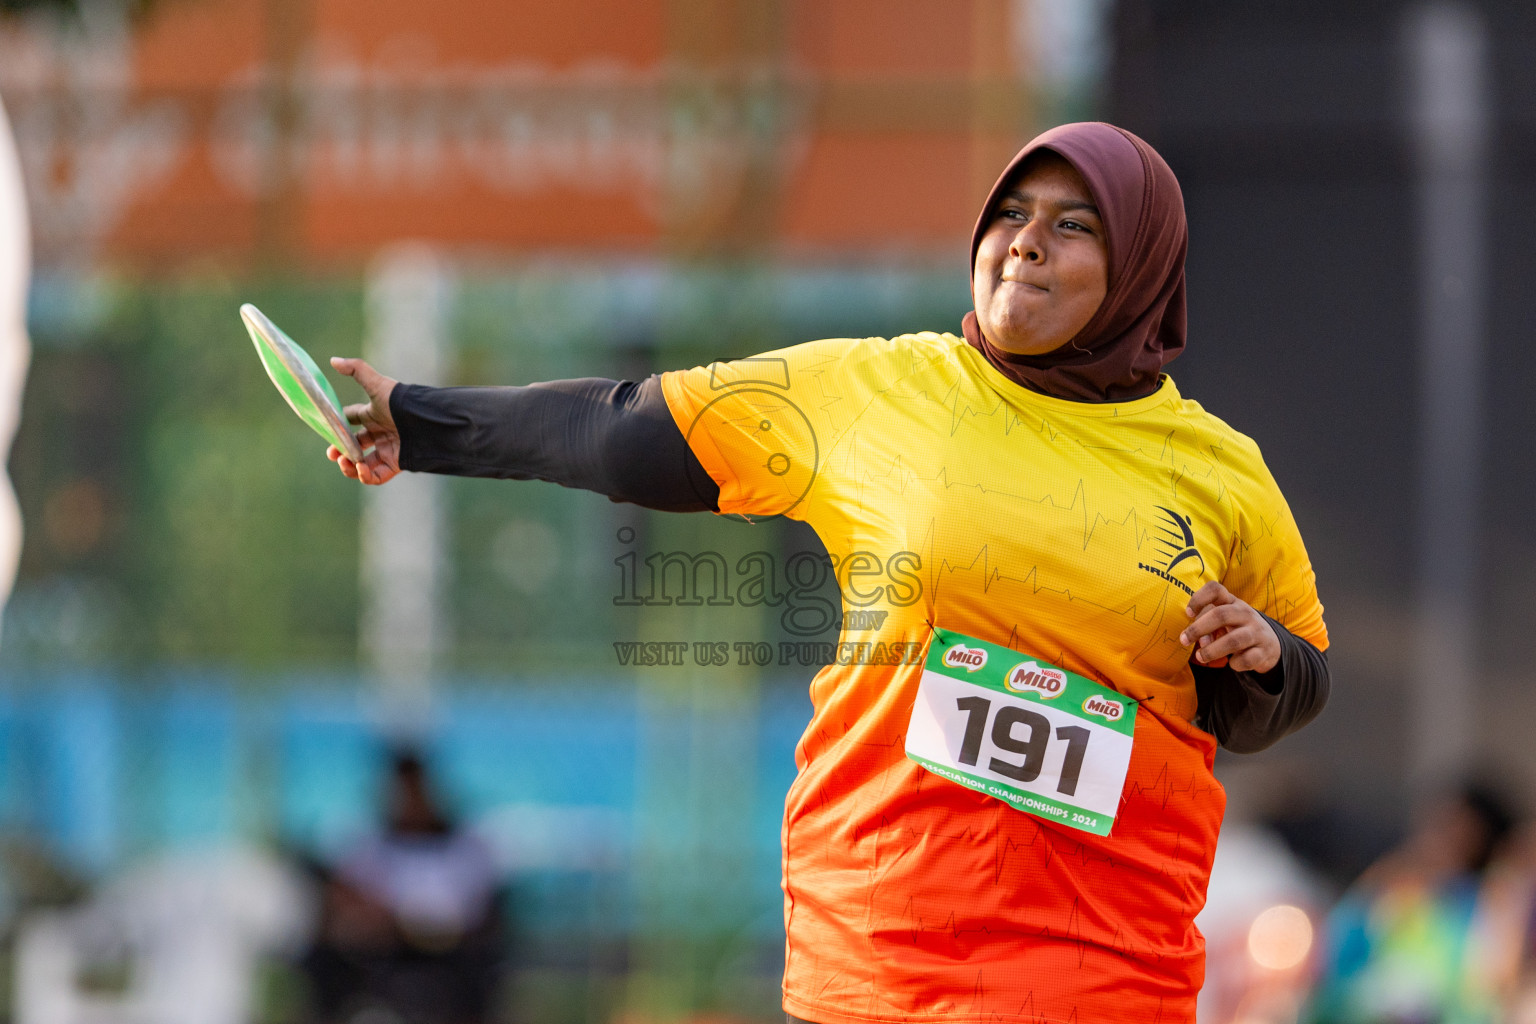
[[1042, 268]]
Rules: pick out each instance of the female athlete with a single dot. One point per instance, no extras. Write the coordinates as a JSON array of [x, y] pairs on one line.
[[1066, 513]]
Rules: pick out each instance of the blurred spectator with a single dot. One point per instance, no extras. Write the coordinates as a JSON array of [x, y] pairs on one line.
[[1401, 944], [1506, 933], [411, 919]]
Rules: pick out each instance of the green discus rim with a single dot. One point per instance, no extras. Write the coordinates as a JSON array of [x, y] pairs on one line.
[[300, 381]]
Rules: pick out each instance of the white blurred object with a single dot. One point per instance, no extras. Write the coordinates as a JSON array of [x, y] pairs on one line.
[[1280, 938], [15, 350], [187, 931], [1258, 928], [1062, 44], [404, 540]]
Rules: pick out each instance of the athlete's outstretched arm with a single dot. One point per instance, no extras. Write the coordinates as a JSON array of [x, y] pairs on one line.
[[618, 438], [613, 437]]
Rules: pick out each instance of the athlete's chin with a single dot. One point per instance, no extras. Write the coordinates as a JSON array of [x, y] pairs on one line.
[[1018, 329], [1024, 339]]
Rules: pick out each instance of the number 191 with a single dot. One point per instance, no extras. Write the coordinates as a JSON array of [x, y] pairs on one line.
[[979, 709]]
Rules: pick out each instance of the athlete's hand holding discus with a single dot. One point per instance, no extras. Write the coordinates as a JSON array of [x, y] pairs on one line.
[[1227, 631], [379, 438]]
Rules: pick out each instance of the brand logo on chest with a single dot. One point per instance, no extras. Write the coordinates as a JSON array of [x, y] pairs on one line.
[[1049, 683], [968, 658], [1174, 540], [1111, 710]]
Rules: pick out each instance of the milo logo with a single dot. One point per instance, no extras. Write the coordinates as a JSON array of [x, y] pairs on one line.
[[1026, 677], [1107, 709], [968, 658]]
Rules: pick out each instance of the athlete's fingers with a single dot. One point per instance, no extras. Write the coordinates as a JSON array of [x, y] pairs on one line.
[[1218, 619], [1210, 594], [332, 453], [374, 470], [1252, 648], [1211, 637], [347, 466], [1229, 643], [1215, 618], [1258, 658], [369, 379], [354, 368], [379, 387]]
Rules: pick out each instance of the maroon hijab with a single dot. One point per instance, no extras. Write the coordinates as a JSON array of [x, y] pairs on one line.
[[1139, 328]]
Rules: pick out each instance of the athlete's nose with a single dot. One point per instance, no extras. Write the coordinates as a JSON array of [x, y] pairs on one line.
[[1026, 245]]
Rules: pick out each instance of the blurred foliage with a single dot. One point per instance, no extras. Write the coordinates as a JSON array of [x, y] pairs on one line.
[[178, 513], [175, 509]]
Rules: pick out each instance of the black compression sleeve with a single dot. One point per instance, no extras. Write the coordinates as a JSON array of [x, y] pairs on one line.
[[1248, 711], [613, 437]]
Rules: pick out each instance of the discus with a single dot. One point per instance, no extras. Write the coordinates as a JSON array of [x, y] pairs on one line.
[[300, 382]]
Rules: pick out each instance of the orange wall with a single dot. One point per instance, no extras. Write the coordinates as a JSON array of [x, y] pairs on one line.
[[318, 130]]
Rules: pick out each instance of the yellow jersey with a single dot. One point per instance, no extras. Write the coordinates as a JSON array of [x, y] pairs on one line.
[[947, 495]]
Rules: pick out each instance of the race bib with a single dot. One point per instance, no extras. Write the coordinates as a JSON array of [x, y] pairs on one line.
[[1016, 727]]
